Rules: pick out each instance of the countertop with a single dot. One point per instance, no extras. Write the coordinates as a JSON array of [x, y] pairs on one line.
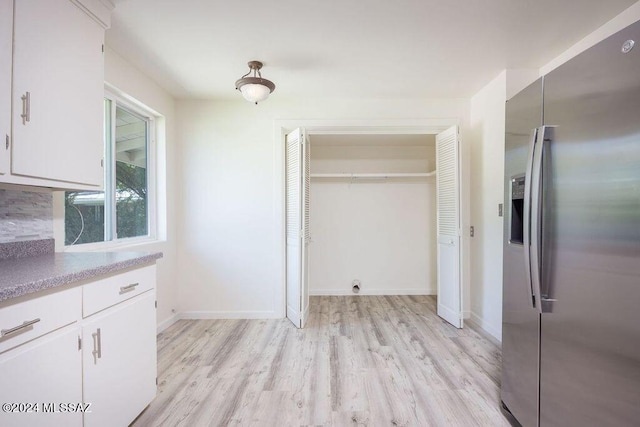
[[26, 275]]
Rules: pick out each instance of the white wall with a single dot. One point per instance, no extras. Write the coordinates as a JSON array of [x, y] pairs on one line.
[[230, 247], [381, 232], [373, 159], [139, 88], [487, 126]]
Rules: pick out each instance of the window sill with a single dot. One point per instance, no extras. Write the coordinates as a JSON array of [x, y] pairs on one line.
[[131, 243]]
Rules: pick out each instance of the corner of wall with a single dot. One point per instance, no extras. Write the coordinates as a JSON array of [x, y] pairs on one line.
[[465, 206], [518, 79], [490, 330], [487, 127]]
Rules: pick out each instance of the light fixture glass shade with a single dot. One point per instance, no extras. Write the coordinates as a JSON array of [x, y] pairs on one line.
[[255, 92]]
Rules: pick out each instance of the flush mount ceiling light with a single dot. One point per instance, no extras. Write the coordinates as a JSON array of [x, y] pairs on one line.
[[255, 88]]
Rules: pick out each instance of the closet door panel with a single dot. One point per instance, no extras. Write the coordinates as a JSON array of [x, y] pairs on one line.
[[306, 233], [448, 199], [295, 171]]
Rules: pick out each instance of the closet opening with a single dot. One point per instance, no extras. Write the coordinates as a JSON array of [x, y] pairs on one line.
[[369, 213], [372, 215]]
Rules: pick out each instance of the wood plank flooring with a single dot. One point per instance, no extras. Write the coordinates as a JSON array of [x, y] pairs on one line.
[[362, 360]]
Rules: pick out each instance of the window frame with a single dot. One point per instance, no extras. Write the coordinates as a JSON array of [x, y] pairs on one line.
[[109, 178]]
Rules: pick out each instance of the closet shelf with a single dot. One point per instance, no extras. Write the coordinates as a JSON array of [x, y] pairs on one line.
[[373, 175]]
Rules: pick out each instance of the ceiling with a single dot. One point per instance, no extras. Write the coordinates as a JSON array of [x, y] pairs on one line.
[[348, 48]]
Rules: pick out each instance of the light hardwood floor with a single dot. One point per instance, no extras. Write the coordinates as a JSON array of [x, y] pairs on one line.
[[363, 360]]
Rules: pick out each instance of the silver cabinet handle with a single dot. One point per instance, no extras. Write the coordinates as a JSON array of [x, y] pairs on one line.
[[26, 108], [128, 288], [18, 328], [97, 346]]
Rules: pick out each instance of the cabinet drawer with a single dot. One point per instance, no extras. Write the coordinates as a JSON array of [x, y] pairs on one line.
[[112, 290], [26, 320]]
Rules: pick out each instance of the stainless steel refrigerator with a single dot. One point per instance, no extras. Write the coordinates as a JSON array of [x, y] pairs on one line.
[[571, 302]]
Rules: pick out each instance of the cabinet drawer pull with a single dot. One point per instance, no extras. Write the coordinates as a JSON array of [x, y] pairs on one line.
[[26, 108], [128, 288], [24, 325]]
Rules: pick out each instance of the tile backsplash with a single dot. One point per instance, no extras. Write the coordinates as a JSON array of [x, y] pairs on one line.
[[25, 215]]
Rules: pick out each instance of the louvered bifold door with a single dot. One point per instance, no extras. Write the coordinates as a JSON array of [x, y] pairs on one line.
[[448, 201], [294, 224], [306, 237]]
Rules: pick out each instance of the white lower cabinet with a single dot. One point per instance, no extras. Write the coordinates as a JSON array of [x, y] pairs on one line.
[[119, 361], [42, 381], [58, 368]]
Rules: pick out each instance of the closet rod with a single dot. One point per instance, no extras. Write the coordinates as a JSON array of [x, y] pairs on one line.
[[372, 175]]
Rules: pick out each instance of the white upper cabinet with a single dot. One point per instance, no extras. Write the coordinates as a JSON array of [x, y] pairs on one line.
[[6, 37], [58, 91]]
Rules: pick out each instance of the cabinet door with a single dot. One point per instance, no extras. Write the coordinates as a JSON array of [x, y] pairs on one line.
[[119, 360], [58, 86], [6, 39], [43, 372]]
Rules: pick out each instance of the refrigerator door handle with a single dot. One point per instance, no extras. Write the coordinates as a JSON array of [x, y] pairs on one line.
[[526, 238], [536, 217]]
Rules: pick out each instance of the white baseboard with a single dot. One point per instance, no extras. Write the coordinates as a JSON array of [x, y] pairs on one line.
[[466, 315], [205, 315], [229, 315], [484, 325], [167, 322], [342, 292]]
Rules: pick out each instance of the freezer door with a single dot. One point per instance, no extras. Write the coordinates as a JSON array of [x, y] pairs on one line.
[[590, 328], [520, 321]]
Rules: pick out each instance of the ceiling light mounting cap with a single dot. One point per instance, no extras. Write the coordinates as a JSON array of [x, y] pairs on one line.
[[254, 65]]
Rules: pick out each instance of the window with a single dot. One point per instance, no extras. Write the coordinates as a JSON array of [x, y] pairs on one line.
[[122, 210]]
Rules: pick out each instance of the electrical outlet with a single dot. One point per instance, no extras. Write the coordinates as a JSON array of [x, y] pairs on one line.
[[472, 231], [499, 209]]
